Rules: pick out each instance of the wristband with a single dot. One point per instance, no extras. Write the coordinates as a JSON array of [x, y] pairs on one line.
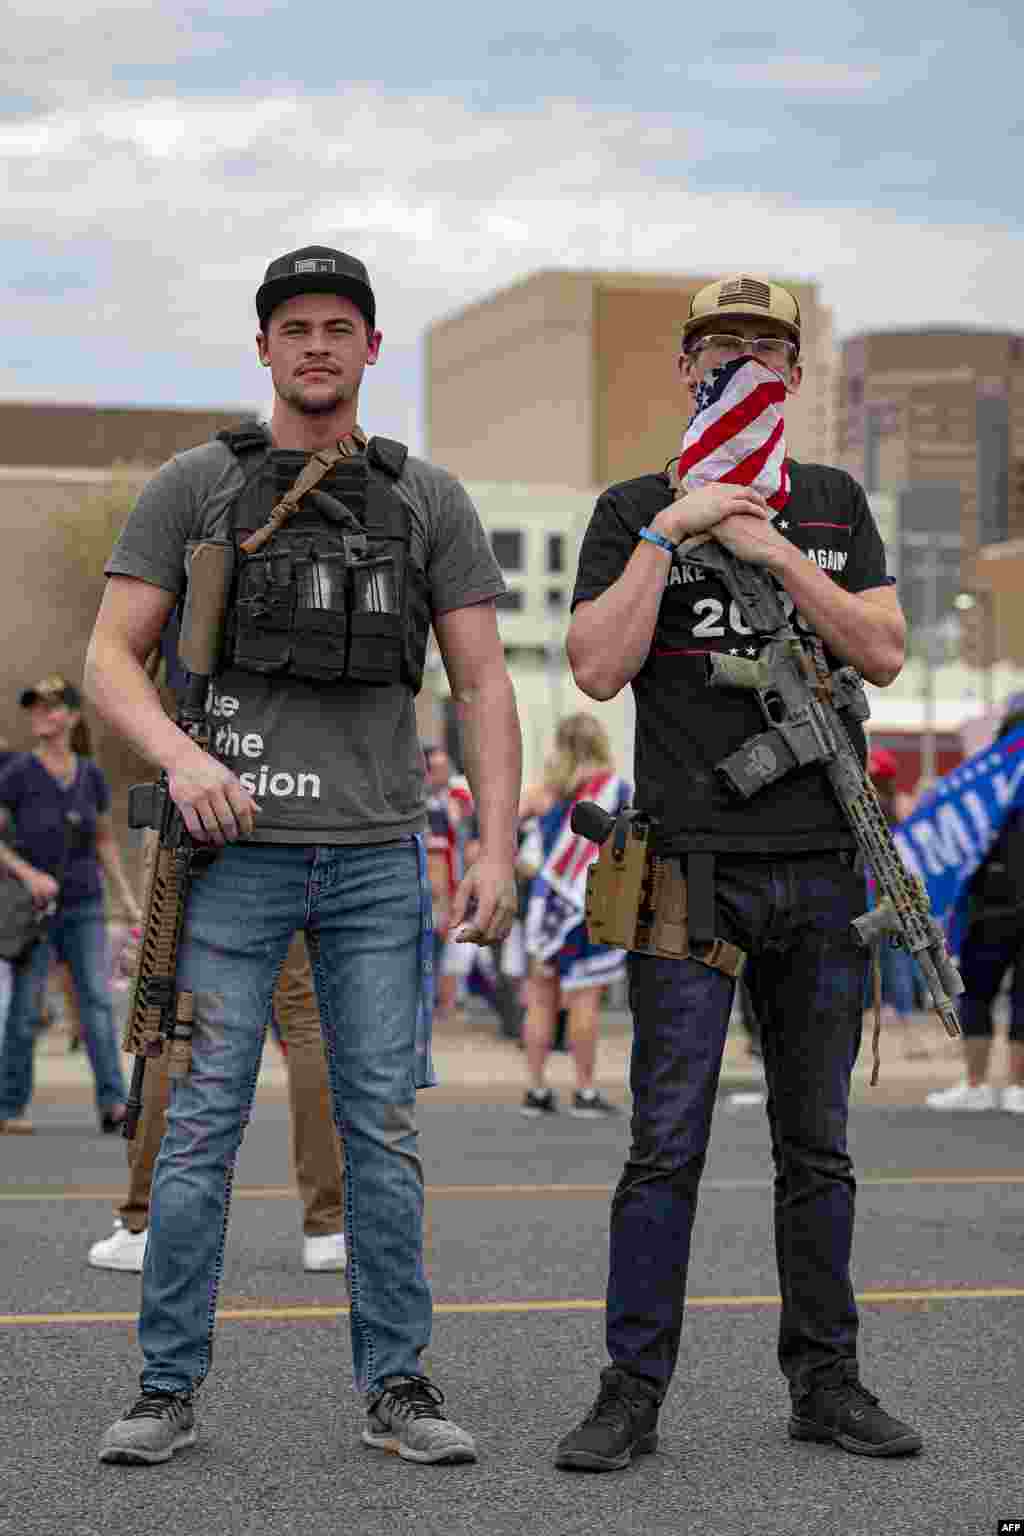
[[654, 537]]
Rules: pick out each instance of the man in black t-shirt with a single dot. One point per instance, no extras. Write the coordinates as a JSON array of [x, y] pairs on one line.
[[786, 879]]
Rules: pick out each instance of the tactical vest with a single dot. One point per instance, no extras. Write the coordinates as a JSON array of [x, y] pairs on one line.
[[336, 594]]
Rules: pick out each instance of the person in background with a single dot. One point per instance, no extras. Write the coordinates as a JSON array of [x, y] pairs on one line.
[[896, 965], [6, 969], [56, 805], [295, 1020], [444, 866], [565, 968], [993, 945], [316, 1149]]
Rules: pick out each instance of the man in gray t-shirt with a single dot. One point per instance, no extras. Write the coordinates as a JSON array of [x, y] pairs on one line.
[[314, 796]]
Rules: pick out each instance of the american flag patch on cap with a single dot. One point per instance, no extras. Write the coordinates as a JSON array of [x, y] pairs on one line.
[[737, 434]]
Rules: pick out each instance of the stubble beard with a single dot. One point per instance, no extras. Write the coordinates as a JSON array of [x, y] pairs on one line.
[[323, 405]]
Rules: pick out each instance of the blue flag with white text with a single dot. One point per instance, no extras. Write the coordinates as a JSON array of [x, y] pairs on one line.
[[946, 839]]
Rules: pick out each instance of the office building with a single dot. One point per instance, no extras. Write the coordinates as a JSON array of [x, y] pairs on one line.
[[570, 378]]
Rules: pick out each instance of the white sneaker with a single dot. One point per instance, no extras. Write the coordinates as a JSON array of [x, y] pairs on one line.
[[321, 1253], [963, 1096], [121, 1250], [1012, 1098]]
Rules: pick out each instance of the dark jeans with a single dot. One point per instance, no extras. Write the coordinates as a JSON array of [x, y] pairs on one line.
[[806, 975], [985, 957]]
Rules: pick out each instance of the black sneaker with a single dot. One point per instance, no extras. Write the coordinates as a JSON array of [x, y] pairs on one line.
[[623, 1423], [539, 1101], [850, 1417], [155, 1426], [590, 1105]]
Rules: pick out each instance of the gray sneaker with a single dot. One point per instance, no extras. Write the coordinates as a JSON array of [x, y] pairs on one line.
[[155, 1426], [407, 1419]]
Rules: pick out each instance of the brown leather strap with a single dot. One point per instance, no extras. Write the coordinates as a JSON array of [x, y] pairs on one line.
[[876, 988], [320, 464]]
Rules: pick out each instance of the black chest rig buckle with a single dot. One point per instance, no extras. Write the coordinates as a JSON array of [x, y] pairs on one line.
[[323, 582]]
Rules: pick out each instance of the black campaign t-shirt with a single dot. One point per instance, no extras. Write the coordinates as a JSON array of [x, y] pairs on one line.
[[683, 726]]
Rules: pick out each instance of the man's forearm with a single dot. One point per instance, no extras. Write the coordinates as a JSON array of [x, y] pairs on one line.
[[127, 700], [610, 637], [493, 750], [870, 640]]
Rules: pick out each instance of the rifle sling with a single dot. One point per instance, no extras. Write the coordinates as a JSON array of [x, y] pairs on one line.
[[319, 465]]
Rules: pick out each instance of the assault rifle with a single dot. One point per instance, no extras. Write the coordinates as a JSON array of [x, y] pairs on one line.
[[160, 1016], [800, 701]]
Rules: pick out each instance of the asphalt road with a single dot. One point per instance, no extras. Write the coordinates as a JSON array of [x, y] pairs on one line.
[[517, 1218]]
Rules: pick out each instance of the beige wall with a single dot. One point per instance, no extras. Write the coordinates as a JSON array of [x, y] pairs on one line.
[[508, 385], [639, 402], [570, 379], [39, 432], [50, 585]]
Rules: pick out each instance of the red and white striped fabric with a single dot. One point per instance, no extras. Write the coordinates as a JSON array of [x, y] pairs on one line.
[[737, 433]]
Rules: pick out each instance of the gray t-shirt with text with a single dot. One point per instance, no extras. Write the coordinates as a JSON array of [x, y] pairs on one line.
[[327, 762]]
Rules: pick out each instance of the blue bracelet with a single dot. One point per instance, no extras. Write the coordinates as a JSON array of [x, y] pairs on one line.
[[653, 537]]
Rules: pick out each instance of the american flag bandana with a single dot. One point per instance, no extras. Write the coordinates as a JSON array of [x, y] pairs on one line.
[[737, 432]]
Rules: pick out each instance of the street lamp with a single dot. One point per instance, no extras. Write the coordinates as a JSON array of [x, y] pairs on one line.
[[926, 551], [967, 602]]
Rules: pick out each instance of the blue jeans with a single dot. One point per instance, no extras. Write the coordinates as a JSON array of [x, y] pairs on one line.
[[362, 909], [78, 935], [806, 977]]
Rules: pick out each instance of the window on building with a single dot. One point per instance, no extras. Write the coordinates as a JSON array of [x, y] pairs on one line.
[[511, 601], [556, 597], [556, 554], [508, 548]]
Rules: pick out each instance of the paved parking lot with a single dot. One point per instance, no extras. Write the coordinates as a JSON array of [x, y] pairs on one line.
[[517, 1215]]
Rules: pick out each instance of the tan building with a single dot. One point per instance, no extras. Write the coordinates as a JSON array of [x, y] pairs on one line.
[[945, 409], [41, 433], [68, 477], [569, 378], [939, 406]]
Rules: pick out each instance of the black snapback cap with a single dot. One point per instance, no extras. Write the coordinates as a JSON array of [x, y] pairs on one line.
[[315, 269]]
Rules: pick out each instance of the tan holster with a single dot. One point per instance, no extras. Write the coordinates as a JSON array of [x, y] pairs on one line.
[[637, 900]]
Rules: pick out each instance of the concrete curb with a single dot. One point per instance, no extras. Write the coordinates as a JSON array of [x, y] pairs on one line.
[[474, 1065]]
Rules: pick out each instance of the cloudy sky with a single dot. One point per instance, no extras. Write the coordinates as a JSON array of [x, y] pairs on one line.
[[156, 157]]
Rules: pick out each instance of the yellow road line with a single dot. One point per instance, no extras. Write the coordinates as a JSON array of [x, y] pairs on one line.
[[527, 1191], [296, 1314]]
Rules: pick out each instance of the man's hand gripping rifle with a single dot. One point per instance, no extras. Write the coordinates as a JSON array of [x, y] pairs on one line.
[[800, 701], [160, 1016]]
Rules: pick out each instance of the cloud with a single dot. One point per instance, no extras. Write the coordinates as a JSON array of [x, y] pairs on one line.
[[790, 72], [172, 207]]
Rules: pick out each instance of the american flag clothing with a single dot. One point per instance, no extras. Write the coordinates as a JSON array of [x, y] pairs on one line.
[[737, 432], [554, 918]]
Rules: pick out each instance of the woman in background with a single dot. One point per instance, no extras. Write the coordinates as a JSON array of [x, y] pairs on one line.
[[565, 968], [58, 839]]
